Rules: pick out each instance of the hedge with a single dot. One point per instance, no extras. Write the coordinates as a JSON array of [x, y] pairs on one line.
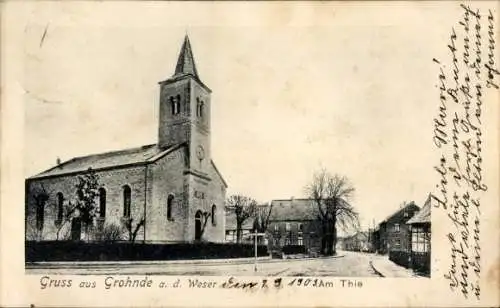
[[126, 251], [400, 257], [421, 263], [293, 249]]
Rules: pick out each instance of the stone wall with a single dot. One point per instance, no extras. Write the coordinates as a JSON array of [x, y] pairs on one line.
[[112, 180], [166, 176]]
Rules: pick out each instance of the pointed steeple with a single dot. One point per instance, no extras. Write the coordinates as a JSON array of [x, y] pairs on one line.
[[185, 63]]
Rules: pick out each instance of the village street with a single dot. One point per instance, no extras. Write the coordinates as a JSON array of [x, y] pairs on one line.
[[346, 264]]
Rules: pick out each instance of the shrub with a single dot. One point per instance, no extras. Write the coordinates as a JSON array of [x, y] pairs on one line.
[[127, 251], [400, 257], [111, 232]]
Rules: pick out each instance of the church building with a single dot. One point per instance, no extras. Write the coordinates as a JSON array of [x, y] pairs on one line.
[[172, 186]]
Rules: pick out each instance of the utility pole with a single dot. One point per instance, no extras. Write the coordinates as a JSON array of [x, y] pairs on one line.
[[255, 235]]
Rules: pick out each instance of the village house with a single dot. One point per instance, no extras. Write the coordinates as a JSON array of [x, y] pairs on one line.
[[357, 242], [294, 222], [393, 234], [173, 186], [420, 226]]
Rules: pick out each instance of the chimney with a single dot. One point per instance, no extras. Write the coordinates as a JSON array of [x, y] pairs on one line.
[[58, 161]]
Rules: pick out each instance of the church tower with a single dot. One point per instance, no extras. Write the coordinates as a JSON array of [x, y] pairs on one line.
[[185, 111]]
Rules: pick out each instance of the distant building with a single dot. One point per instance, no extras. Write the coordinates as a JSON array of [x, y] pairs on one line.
[[231, 229], [340, 243], [294, 222], [357, 242], [420, 226], [393, 234]]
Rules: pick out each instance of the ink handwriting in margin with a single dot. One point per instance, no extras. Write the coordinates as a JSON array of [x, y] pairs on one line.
[[458, 136]]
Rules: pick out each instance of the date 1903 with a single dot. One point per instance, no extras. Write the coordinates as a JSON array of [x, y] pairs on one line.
[[310, 282]]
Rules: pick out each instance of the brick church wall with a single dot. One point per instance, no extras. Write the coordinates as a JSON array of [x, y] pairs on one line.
[[112, 180], [217, 195], [167, 178], [204, 193]]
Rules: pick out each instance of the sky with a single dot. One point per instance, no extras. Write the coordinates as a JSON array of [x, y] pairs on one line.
[[296, 88]]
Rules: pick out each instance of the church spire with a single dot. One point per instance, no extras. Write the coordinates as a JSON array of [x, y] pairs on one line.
[[185, 63]]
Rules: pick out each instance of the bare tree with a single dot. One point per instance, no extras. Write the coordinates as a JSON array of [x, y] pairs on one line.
[[331, 195], [243, 208], [32, 232], [132, 229], [262, 216], [35, 223], [205, 216]]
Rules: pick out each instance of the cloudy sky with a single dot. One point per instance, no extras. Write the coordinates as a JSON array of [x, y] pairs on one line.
[[296, 88]]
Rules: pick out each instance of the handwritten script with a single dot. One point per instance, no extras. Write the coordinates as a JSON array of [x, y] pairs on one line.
[[463, 79]]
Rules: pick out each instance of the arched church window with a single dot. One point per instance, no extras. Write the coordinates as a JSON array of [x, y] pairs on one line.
[[202, 106], [40, 214], [177, 104], [170, 204], [197, 107], [126, 201], [198, 225], [172, 104], [214, 213], [102, 202], [60, 200]]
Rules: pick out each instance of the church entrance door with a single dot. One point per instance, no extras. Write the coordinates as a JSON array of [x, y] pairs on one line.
[[197, 226], [76, 229]]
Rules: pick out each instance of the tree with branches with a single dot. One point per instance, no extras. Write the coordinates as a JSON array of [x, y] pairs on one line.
[[132, 229], [87, 188], [331, 195], [35, 223], [204, 216], [262, 216], [69, 209], [243, 208]]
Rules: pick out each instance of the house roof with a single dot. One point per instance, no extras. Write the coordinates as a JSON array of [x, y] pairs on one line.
[[358, 235], [293, 209], [424, 215], [408, 206]]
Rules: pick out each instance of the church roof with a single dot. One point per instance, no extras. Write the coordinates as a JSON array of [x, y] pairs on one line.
[[186, 66], [114, 159], [185, 62], [121, 158], [293, 209]]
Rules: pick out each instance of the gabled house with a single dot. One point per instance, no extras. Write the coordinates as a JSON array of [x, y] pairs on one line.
[[358, 242], [294, 222], [393, 234]]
